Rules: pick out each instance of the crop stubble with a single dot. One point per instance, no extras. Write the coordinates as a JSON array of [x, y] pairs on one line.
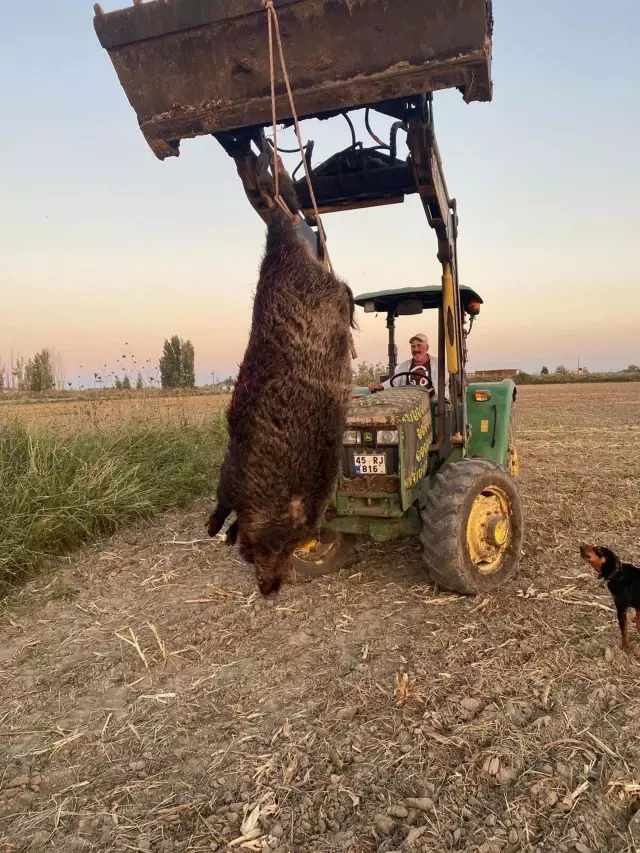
[[152, 701]]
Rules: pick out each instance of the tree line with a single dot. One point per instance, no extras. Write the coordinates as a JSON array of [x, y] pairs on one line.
[[43, 371], [561, 370]]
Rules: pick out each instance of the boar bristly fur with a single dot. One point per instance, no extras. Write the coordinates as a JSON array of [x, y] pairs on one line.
[[287, 413]]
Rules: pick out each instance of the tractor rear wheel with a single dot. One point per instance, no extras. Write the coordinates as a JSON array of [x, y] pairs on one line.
[[472, 527], [322, 556]]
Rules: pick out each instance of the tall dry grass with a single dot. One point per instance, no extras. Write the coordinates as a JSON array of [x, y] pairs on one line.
[[58, 491]]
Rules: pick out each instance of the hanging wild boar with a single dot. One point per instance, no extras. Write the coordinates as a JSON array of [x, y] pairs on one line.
[[287, 413]]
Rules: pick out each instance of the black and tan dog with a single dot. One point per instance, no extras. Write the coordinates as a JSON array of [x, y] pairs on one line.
[[623, 580]]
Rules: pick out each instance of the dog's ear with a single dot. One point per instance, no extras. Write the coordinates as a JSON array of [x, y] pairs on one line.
[[610, 562], [610, 556]]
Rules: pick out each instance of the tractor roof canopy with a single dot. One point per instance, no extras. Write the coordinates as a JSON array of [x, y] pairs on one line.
[[410, 300]]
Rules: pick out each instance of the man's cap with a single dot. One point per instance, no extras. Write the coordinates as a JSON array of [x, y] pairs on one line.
[[420, 337]]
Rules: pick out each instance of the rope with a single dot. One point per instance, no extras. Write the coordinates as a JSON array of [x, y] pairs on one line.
[[273, 108], [272, 17]]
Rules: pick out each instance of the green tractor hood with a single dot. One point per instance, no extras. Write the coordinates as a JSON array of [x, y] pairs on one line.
[[391, 407]]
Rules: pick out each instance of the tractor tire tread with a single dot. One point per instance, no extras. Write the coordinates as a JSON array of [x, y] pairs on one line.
[[441, 524]]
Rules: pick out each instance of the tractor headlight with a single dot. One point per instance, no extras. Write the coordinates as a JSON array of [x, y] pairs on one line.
[[387, 436], [350, 436]]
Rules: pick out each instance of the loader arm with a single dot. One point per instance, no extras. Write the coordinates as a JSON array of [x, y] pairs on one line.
[[347, 182]]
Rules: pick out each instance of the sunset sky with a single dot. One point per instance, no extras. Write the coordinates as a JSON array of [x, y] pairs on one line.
[[101, 243]]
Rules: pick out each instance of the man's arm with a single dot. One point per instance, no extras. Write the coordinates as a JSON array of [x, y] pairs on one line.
[[402, 380], [378, 386]]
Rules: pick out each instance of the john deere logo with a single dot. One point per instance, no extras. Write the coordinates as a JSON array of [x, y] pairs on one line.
[[368, 436]]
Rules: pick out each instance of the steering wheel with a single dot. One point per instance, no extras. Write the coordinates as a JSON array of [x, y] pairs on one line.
[[424, 382]]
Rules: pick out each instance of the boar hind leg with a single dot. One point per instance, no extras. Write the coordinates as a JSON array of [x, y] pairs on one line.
[[232, 534], [224, 501], [217, 519]]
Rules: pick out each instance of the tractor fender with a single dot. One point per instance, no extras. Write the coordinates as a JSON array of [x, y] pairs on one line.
[[489, 420]]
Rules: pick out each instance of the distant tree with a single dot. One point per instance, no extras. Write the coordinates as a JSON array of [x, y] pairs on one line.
[[170, 363], [126, 383], [633, 368], [177, 364], [2, 372], [118, 383], [17, 373], [561, 369], [545, 371], [139, 383], [39, 372], [59, 374], [365, 374], [187, 365]]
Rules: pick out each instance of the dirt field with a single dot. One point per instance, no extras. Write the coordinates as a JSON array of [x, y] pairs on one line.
[[151, 701]]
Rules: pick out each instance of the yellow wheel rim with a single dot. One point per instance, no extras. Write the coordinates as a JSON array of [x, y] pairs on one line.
[[315, 551], [307, 548], [489, 529]]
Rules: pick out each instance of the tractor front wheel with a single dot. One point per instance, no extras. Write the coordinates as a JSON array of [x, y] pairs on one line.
[[322, 556], [472, 527]]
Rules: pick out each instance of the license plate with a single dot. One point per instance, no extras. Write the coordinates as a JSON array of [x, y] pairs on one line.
[[370, 464]]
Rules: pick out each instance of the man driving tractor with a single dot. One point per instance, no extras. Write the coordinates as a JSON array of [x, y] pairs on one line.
[[423, 367]]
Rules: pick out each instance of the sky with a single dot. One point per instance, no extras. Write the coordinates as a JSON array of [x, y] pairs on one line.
[[102, 244]]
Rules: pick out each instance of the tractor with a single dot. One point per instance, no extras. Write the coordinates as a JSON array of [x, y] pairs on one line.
[[189, 68], [407, 471]]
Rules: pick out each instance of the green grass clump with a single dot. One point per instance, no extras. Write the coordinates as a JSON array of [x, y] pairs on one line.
[[57, 492]]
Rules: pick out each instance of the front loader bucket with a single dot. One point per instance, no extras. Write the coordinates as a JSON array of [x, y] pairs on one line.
[[193, 67]]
